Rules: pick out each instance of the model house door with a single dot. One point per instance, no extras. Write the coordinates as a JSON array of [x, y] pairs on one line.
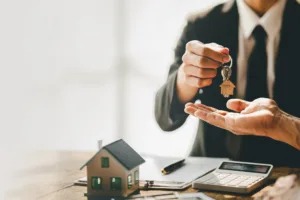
[[115, 183]]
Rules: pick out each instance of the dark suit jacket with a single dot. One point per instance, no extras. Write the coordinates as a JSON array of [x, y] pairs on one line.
[[220, 25]]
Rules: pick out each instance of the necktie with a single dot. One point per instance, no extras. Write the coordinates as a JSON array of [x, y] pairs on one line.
[[254, 149], [257, 67]]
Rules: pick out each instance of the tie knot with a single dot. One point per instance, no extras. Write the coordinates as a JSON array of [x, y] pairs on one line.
[[259, 33]]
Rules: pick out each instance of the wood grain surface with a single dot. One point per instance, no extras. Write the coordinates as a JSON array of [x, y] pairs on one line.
[[53, 174]]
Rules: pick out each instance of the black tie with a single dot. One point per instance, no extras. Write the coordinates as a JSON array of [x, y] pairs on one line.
[[257, 67], [255, 149]]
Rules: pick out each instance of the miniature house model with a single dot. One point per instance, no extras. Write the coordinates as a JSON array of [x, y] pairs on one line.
[[113, 171]]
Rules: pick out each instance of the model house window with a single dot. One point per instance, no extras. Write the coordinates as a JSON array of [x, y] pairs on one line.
[[129, 181], [96, 183], [136, 177], [105, 162], [115, 183]]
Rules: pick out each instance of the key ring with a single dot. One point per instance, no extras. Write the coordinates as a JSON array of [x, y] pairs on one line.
[[229, 61], [226, 71], [227, 87]]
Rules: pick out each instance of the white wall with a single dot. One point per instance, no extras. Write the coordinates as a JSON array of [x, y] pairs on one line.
[[57, 59]]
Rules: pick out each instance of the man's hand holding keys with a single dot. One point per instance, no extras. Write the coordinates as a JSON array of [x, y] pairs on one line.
[[199, 67]]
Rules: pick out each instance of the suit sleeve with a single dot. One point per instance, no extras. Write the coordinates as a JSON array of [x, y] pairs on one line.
[[169, 111]]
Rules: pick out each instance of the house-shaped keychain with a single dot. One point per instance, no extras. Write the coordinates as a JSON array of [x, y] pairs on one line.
[[113, 171], [227, 88]]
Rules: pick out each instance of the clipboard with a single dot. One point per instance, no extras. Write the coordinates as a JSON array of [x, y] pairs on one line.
[[152, 178], [193, 168]]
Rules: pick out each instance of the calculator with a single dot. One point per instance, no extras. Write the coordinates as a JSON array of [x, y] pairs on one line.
[[236, 177]]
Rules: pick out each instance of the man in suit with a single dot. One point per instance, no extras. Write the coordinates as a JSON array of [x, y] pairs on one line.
[[263, 39]]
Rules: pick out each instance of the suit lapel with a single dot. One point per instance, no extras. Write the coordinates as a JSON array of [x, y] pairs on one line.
[[287, 69]]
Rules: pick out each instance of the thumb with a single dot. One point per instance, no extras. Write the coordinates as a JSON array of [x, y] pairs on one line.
[[220, 48], [237, 105]]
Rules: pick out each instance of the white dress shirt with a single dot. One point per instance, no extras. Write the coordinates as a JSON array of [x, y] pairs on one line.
[[271, 21]]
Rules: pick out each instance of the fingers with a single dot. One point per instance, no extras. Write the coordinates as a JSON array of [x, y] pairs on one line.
[[202, 106], [206, 108], [208, 114], [233, 122], [214, 52], [223, 49], [198, 77], [197, 82], [255, 123], [250, 109], [199, 72], [237, 105], [211, 109], [190, 109], [200, 61], [213, 118]]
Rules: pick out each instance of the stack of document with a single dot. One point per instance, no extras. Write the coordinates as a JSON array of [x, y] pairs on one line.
[[193, 168]]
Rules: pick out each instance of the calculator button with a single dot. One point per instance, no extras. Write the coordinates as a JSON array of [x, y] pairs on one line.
[[235, 182], [246, 183], [222, 182], [229, 178], [245, 177], [254, 177], [211, 181], [241, 178], [223, 176], [232, 176]]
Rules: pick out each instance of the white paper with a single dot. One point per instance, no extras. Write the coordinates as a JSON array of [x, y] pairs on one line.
[[193, 168]]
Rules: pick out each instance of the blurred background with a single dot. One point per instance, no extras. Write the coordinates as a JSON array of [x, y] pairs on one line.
[[74, 72]]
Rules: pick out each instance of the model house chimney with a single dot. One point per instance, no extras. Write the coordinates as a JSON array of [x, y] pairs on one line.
[[99, 144]]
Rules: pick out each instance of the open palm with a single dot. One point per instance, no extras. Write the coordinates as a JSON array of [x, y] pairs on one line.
[[259, 117]]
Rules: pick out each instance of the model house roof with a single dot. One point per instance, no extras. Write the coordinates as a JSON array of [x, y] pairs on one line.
[[122, 152]]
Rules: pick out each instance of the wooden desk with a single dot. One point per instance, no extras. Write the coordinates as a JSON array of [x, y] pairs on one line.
[[53, 176]]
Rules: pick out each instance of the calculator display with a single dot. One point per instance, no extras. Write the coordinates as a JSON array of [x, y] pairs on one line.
[[245, 167]]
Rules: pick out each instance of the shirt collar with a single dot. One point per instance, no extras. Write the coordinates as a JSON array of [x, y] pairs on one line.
[[271, 21]]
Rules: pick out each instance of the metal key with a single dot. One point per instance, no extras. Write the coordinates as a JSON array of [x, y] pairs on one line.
[[226, 73], [227, 86]]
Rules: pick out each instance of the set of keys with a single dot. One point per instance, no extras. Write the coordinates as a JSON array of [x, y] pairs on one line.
[[227, 87]]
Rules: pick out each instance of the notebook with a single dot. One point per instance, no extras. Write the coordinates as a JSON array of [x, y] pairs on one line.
[[152, 178]]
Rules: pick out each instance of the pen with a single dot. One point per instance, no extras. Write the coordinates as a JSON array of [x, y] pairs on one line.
[[172, 167]]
